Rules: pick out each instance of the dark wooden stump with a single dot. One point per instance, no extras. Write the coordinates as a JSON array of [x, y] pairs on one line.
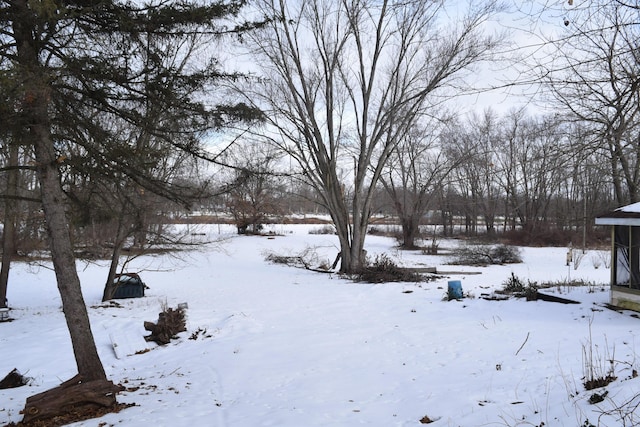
[[170, 322], [13, 379], [71, 397]]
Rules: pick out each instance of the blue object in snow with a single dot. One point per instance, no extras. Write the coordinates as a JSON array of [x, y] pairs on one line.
[[455, 289]]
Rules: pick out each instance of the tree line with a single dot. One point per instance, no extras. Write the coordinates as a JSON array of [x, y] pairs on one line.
[[484, 175]]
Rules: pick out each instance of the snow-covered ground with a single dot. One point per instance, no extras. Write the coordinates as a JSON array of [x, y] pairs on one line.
[[282, 346]]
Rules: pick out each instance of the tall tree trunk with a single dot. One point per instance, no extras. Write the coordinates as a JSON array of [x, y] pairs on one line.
[[344, 230], [35, 109], [351, 234], [409, 212], [358, 254], [347, 223], [9, 227], [73, 305], [410, 230], [360, 212]]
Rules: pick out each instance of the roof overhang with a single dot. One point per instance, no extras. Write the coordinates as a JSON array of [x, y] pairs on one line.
[[625, 215], [618, 221]]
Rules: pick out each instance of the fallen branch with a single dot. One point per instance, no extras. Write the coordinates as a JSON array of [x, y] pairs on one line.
[[553, 298], [525, 341]]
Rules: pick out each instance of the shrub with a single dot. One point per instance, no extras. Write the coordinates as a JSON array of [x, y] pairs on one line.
[[504, 254], [325, 229], [598, 369], [513, 284], [486, 255]]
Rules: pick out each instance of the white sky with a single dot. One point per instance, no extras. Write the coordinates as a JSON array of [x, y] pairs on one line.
[[530, 25]]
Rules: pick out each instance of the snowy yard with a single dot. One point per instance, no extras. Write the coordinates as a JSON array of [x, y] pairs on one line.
[[281, 346]]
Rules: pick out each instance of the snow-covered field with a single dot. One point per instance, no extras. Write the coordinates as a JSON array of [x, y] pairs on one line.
[[282, 346]]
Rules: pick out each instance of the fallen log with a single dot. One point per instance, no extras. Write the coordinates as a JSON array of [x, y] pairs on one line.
[[553, 298], [73, 397]]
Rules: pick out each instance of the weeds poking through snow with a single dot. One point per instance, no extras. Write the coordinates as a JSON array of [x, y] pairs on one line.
[[598, 370], [624, 413]]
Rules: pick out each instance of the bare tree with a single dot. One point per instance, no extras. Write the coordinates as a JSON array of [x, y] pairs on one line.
[[252, 193], [416, 170], [471, 149], [541, 156], [517, 166], [344, 81], [594, 78]]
